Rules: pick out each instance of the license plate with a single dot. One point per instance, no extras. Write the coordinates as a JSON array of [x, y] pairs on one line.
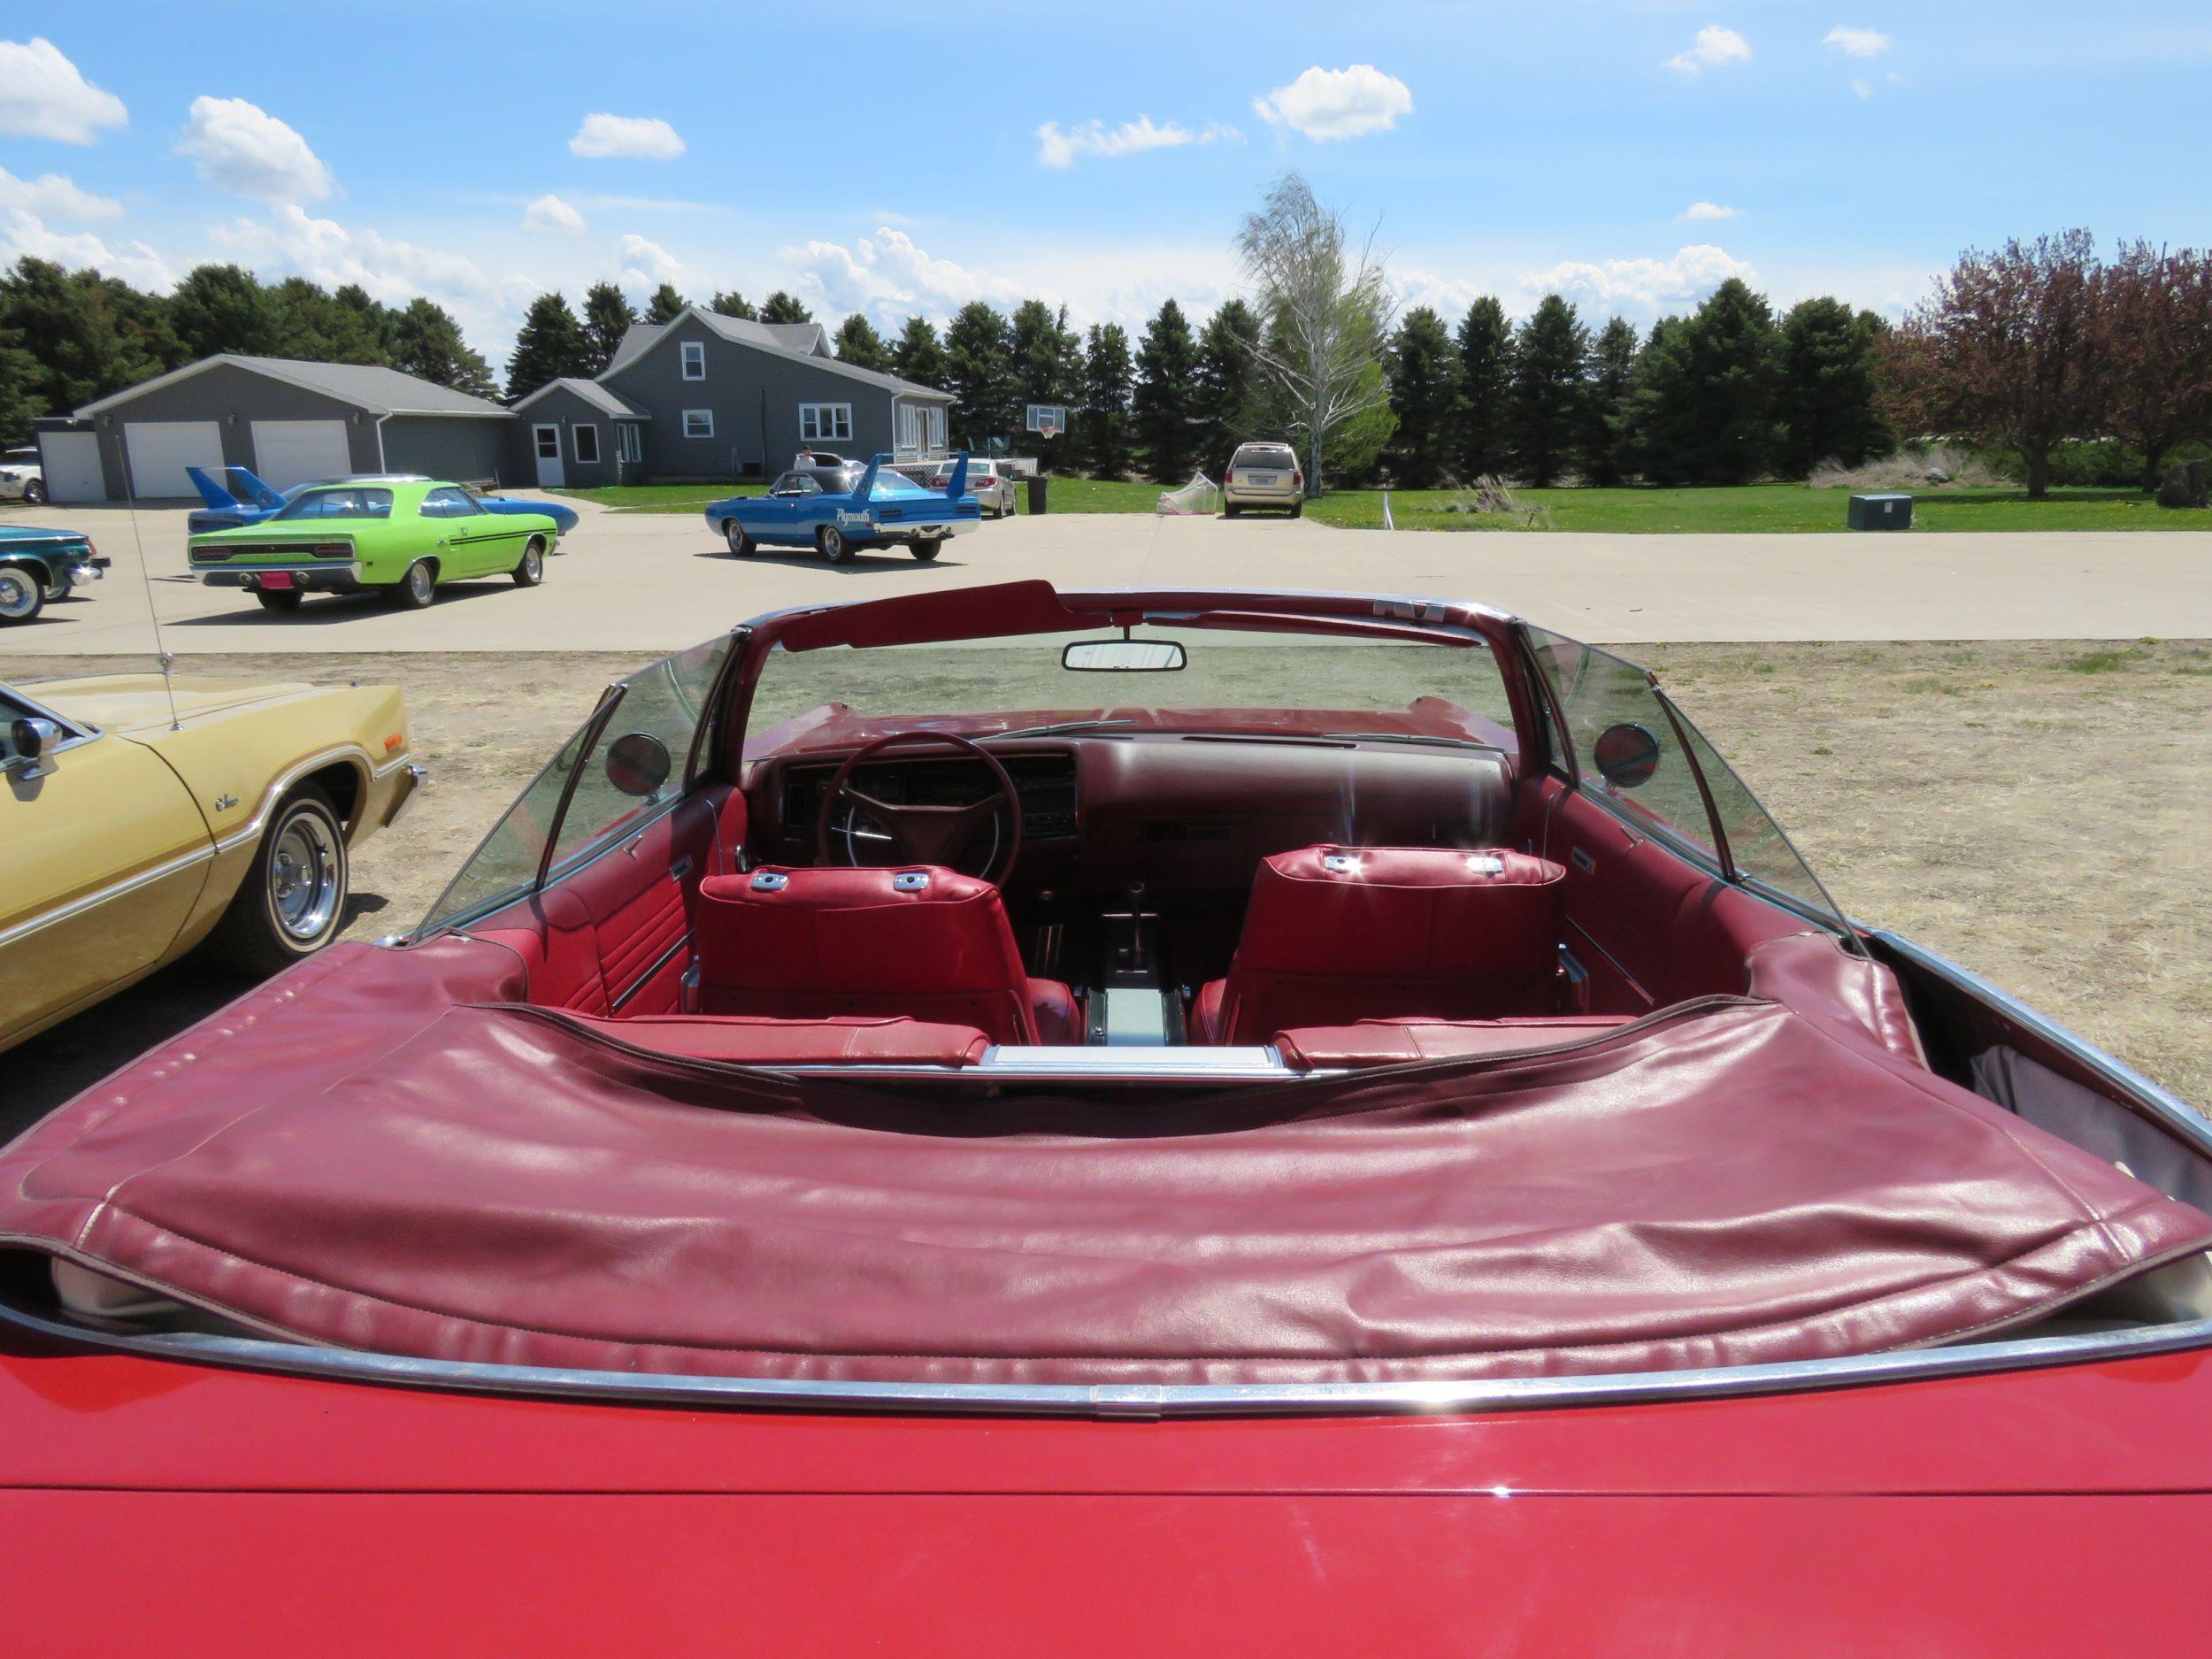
[[1262, 478], [276, 581]]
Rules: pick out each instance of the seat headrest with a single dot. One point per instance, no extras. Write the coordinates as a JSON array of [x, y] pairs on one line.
[[1396, 912]]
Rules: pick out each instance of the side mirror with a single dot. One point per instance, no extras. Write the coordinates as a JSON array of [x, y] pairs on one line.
[[638, 765], [1123, 656], [1626, 755], [32, 741]]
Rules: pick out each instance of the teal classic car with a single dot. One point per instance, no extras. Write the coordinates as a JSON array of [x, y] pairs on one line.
[[401, 537], [36, 565]]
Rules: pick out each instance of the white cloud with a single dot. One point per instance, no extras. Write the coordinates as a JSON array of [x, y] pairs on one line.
[[1856, 43], [24, 234], [42, 96], [292, 241], [50, 196], [1861, 88], [549, 215], [888, 275], [1713, 49], [240, 148], [639, 137], [647, 265], [1058, 148], [1708, 210], [1332, 104], [1648, 286]]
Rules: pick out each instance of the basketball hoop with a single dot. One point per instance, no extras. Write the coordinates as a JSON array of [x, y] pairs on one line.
[[1047, 430]]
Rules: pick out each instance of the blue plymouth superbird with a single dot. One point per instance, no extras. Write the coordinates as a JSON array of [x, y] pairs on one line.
[[837, 514], [238, 497]]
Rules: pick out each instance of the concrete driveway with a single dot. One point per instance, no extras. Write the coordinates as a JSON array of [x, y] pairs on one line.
[[651, 582]]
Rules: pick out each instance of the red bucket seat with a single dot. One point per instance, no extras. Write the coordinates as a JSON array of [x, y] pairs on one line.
[[923, 942], [1338, 935]]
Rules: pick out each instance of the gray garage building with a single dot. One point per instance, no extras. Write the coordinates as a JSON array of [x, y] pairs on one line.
[[287, 420]]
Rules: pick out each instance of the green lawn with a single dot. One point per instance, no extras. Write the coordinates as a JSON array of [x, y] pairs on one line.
[[665, 497], [1761, 507]]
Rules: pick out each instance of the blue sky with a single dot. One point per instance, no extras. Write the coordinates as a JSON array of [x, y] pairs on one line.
[[900, 159]]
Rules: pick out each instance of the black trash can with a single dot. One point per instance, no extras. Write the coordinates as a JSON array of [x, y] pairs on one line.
[[1891, 511], [1037, 483]]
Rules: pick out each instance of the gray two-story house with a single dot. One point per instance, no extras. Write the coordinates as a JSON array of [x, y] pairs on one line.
[[706, 396]]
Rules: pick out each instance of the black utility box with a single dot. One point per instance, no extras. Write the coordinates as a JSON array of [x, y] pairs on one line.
[[1038, 490], [1881, 512]]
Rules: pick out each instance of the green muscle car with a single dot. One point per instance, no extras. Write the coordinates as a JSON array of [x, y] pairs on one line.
[[402, 537]]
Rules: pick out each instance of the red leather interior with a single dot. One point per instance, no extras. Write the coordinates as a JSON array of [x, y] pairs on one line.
[[1339, 933], [1395, 1042], [747, 1040], [807, 943]]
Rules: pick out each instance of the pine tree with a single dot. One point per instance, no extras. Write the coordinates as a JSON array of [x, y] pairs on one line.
[[347, 326], [1047, 369], [427, 341], [88, 334], [1484, 439], [979, 374], [1230, 383], [732, 303], [551, 343], [666, 305], [859, 344], [1107, 383], [1825, 401], [780, 307], [1547, 391], [607, 317], [1704, 397], [917, 354], [20, 405], [1165, 406], [224, 308], [1608, 430], [1423, 373]]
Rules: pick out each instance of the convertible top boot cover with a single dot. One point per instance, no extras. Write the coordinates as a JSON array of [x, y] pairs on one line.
[[373, 1152]]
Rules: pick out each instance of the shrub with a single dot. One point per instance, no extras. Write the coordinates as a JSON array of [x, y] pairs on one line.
[[1911, 469]]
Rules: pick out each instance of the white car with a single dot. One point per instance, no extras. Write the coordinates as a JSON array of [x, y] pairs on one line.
[[1263, 475], [988, 481], [22, 478]]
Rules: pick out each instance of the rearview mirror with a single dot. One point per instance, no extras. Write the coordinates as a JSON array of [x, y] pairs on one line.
[[638, 765], [1123, 656], [32, 740], [1626, 755]]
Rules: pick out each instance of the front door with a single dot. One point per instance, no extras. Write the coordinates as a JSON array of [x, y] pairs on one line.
[[106, 855], [547, 441]]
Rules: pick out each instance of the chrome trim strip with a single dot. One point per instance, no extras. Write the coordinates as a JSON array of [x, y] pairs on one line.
[[1257, 1063], [646, 978], [85, 902], [2172, 1110], [1137, 1400], [252, 829]]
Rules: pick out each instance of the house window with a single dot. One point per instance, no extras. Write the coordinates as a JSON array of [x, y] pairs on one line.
[[698, 423], [909, 428], [584, 440], [937, 426], [825, 423], [629, 442], [694, 359]]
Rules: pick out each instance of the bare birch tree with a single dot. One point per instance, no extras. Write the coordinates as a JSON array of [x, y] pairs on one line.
[[1327, 309]]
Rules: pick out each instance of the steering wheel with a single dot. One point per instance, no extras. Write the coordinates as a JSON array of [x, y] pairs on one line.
[[925, 834]]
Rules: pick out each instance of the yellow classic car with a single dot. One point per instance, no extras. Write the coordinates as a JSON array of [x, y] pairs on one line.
[[131, 829]]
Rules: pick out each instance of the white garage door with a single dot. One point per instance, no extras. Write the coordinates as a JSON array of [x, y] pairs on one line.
[[71, 464], [288, 452], [160, 450]]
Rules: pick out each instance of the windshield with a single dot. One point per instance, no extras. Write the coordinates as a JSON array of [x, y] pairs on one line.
[[1235, 682], [340, 503], [889, 483]]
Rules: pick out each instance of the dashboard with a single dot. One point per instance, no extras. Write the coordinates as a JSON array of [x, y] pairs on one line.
[[1169, 811]]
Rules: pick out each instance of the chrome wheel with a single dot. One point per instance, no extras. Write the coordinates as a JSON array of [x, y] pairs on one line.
[[306, 877], [20, 595], [531, 572], [835, 547]]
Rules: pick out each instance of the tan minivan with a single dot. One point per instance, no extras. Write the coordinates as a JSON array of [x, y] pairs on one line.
[[1263, 475]]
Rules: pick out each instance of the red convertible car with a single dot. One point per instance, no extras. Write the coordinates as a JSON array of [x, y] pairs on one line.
[[1012, 1121]]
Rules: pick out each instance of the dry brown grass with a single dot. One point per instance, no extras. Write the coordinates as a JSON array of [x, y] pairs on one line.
[[1910, 469]]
